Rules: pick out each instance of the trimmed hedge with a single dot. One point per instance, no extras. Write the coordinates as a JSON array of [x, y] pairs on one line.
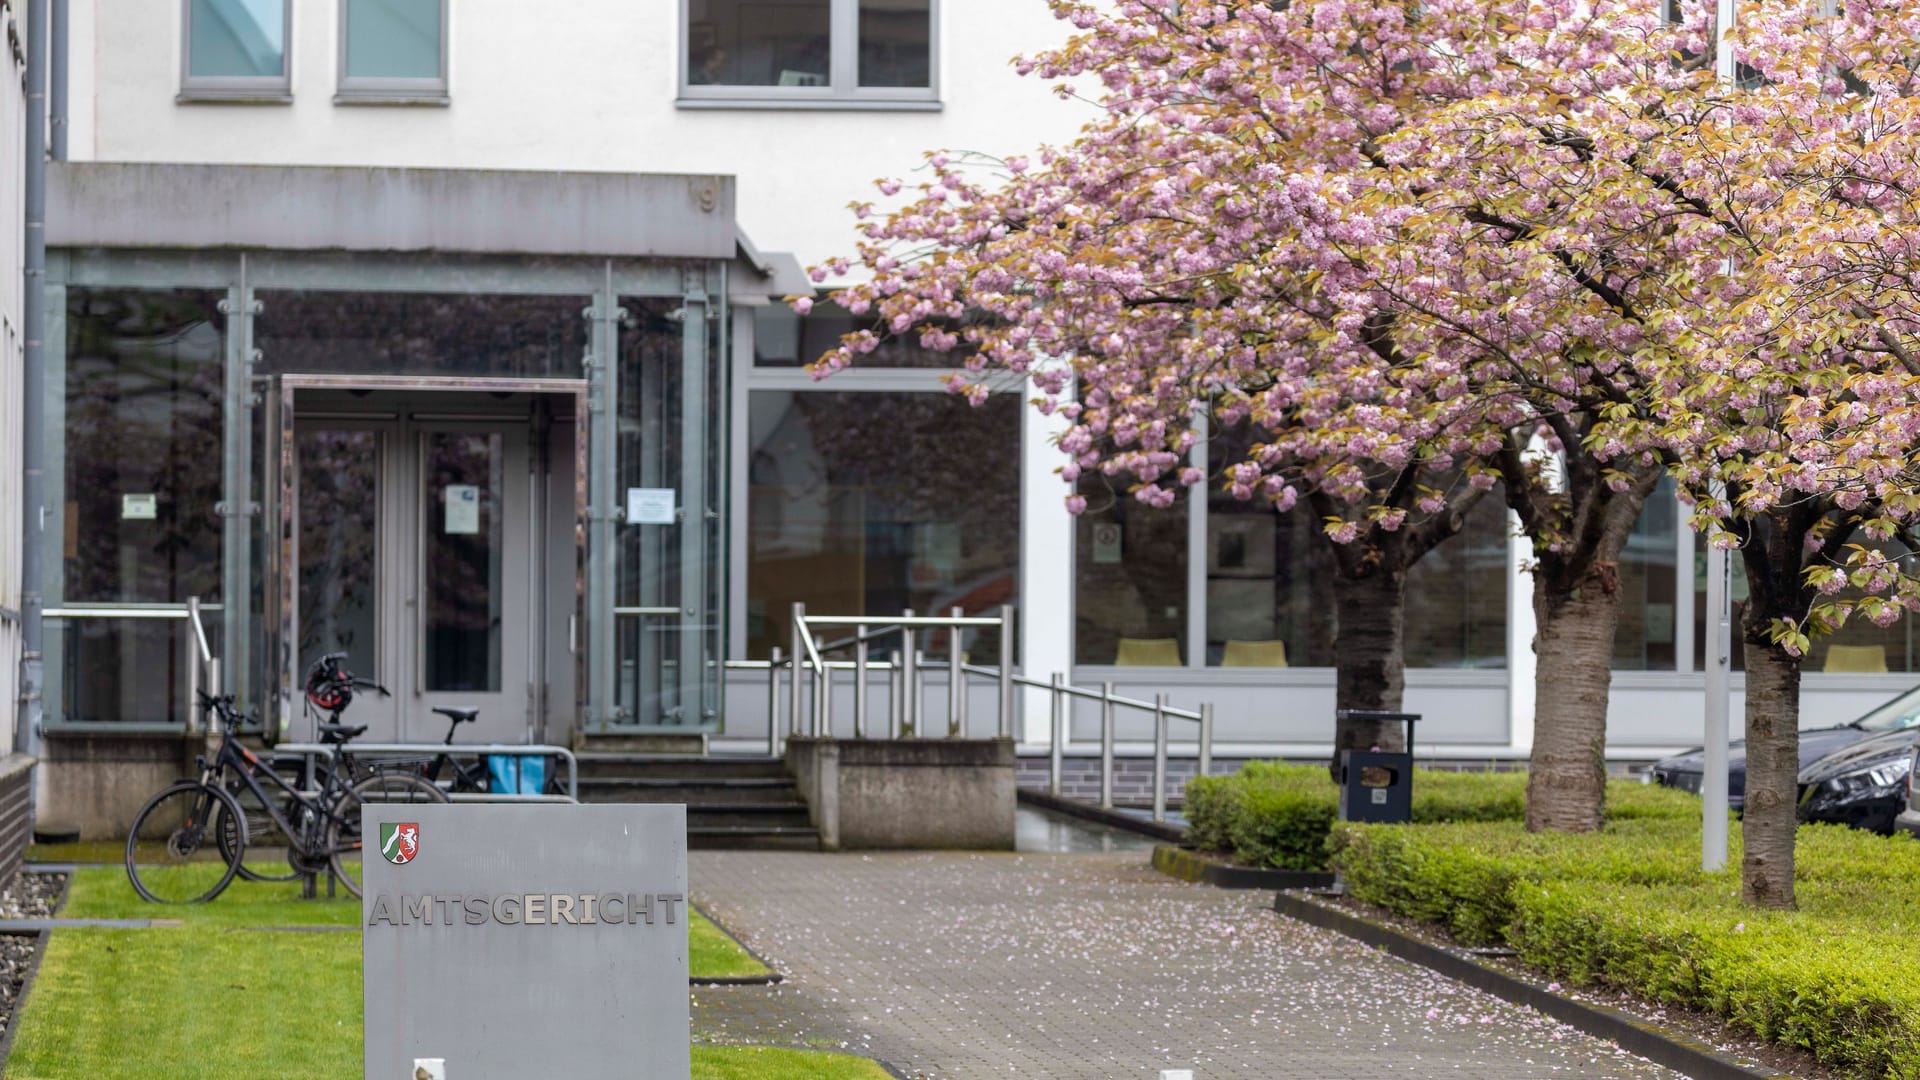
[[1629, 908], [1272, 814]]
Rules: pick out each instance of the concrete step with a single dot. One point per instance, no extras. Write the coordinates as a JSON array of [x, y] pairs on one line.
[[719, 838], [662, 744], [608, 789], [668, 767], [748, 815]]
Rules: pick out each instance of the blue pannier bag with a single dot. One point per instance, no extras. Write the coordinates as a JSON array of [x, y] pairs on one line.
[[516, 774]]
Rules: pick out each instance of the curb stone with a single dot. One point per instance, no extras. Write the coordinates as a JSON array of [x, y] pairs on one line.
[[1694, 1058], [1193, 866]]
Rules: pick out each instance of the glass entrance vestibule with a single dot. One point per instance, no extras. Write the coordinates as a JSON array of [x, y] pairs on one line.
[[492, 481]]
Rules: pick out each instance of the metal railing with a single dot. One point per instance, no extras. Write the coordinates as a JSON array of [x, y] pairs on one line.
[[810, 707], [203, 668], [315, 751]]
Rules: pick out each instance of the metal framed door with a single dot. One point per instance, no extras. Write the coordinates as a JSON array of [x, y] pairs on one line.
[[465, 624]]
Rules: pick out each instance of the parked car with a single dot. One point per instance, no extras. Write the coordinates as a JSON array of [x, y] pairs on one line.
[[1909, 819], [1684, 770], [1863, 785]]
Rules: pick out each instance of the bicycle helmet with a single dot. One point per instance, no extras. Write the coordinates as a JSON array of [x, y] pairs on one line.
[[329, 687]]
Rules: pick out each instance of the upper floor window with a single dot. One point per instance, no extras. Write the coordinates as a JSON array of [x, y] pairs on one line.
[[393, 51], [235, 50], [808, 53]]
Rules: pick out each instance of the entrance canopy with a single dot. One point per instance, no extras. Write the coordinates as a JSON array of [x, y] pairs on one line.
[[467, 426]]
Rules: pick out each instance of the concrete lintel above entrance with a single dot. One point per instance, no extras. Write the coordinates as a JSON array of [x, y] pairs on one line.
[[617, 215]]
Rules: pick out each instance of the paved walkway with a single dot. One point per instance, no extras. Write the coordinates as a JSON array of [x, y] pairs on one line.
[[1092, 965]]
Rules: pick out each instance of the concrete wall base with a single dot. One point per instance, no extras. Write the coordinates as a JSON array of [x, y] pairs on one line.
[[867, 794], [97, 783]]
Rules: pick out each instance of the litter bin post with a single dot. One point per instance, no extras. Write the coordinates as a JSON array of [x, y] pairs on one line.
[[1377, 785]]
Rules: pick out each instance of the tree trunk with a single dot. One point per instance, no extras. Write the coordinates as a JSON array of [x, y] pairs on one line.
[[1567, 775], [1368, 659], [1773, 770]]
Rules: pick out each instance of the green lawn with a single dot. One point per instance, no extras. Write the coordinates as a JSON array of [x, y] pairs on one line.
[[210, 999]]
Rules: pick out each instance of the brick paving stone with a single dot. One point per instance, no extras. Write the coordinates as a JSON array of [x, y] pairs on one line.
[[969, 965]]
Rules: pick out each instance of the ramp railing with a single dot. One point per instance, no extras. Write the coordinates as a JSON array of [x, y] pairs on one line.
[[807, 674]]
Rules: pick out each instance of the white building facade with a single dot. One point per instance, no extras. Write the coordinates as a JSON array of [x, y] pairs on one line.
[[442, 335]]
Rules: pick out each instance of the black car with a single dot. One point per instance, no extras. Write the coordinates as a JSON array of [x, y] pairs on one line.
[[1864, 785], [1902, 715]]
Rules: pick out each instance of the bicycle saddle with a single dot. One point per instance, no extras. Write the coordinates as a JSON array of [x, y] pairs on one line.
[[458, 715], [339, 733]]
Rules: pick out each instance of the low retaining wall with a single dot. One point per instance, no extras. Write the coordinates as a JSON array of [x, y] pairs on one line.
[[97, 783], [907, 793]]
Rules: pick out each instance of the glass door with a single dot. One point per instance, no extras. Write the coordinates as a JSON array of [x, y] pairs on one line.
[[469, 617], [414, 555]]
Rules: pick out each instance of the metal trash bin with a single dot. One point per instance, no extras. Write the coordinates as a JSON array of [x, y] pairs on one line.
[[1377, 785]]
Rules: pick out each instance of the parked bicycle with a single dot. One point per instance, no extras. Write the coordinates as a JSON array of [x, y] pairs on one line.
[[328, 690], [190, 841]]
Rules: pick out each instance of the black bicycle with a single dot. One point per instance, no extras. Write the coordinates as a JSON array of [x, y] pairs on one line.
[[190, 841], [329, 689]]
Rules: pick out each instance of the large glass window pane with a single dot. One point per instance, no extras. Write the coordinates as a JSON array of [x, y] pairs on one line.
[[874, 503], [1270, 599], [1644, 639], [393, 39], [668, 576], [407, 333], [1858, 648], [759, 43], [1457, 596], [143, 474], [339, 522], [237, 38], [144, 374], [1130, 578], [464, 482], [784, 338], [895, 43]]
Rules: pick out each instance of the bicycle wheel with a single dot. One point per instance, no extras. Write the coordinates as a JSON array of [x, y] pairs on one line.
[[343, 833], [173, 852]]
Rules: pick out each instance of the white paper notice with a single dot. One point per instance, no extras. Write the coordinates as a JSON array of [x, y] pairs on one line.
[[139, 507], [463, 509], [650, 506], [1106, 542]]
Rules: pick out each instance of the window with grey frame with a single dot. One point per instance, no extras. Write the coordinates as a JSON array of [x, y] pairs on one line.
[[806, 53], [235, 50], [393, 52]]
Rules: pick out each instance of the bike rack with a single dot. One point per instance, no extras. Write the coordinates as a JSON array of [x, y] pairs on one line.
[[311, 751]]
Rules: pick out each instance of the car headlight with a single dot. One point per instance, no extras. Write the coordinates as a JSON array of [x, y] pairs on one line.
[[1878, 776]]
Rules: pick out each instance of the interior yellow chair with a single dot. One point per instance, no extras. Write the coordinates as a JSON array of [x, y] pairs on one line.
[[1147, 652], [1856, 658], [1254, 654]]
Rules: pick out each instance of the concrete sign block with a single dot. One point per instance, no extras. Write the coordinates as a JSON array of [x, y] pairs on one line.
[[508, 941]]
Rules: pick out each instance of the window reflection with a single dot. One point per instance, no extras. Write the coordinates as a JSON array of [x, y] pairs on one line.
[[895, 43], [237, 38], [784, 338], [877, 502], [407, 333], [759, 43], [143, 453], [1270, 599], [1644, 639], [1457, 595], [393, 39], [1130, 570]]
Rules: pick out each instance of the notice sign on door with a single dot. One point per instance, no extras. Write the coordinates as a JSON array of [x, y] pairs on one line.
[[463, 509], [139, 507], [649, 506]]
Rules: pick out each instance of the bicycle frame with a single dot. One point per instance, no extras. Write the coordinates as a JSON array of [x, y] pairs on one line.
[[246, 766]]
